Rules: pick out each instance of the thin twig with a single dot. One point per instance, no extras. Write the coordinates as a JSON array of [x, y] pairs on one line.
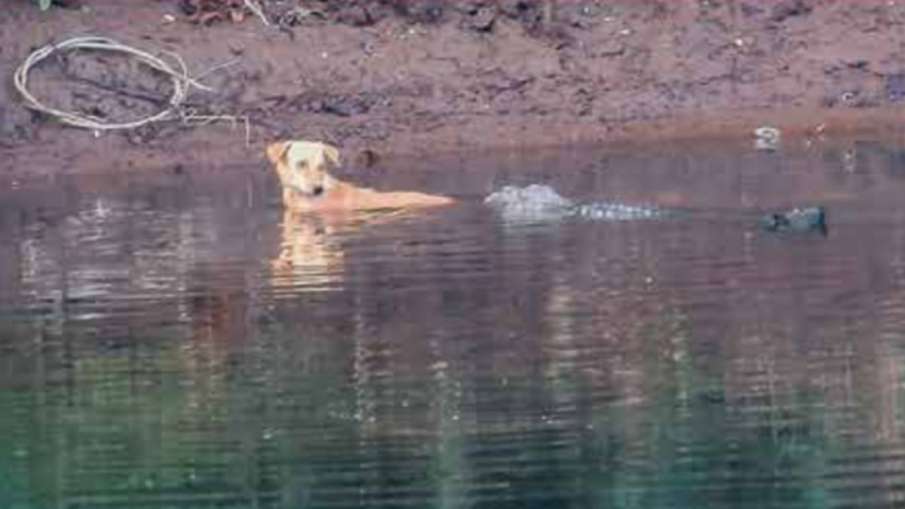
[[158, 100], [256, 9], [190, 117], [228, 63]]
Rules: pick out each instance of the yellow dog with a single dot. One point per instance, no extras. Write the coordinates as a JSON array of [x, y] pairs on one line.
[[319, 206], [302, 167]]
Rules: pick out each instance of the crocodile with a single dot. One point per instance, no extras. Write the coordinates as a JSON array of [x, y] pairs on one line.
[[541, 203]]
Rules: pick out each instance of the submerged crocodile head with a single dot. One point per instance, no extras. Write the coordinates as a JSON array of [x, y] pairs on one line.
[[808, 219]]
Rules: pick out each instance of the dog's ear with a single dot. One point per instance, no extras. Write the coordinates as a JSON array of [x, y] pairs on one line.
[[332, 154], [276, 152]]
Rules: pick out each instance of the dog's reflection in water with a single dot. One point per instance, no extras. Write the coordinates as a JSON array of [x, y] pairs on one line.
[[310, 253]]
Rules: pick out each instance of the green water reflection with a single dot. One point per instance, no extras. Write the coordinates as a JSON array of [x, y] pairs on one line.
[[282, 424]]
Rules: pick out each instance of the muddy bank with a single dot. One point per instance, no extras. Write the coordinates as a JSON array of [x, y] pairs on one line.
[[421, 77]]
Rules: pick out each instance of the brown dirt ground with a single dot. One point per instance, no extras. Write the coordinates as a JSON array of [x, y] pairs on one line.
[[423, 77]]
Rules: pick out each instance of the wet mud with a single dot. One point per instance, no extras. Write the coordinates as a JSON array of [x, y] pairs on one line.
[[385, 78]]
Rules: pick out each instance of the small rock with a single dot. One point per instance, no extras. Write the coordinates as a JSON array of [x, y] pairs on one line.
[[849, 97], [483, 19], [357, 16], [424, 11], [789, 9], [341, 106], [609, 49], [766, 138], [298, 15], [750, 9], [527, 12], [367, 158], [895, 87], [859, 63], [68, 4]]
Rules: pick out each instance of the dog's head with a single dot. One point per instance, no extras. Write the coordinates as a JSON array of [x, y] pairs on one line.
[[302, 165]]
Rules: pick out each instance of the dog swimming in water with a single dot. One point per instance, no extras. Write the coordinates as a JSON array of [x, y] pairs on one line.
[[303, 168]]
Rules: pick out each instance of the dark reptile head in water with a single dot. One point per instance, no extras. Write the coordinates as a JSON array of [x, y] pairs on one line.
[[803, 220]]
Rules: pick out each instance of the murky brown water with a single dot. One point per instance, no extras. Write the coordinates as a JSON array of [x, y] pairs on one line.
[[171, 342]]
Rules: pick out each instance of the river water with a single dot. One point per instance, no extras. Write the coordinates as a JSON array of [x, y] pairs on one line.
[[173, 341]]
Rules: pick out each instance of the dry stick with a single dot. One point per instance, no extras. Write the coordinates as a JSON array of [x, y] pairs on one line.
[[218, 67], [256, 9], [190, 117], [181, 80], [157, 100]]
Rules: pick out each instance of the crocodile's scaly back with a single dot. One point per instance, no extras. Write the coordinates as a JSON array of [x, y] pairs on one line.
[[618, 211], [540, 203]]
